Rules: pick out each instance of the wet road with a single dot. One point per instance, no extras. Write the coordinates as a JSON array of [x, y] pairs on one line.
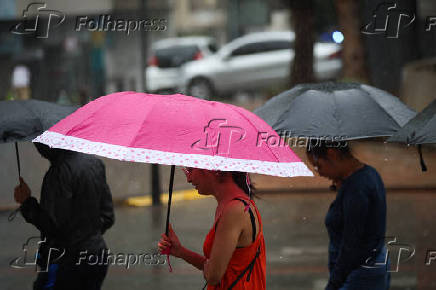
[[295, 236]]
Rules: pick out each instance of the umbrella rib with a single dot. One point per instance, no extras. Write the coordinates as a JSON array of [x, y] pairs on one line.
[[132, 141], [387, 112], [423, 128], [89, 117], [249, 121], [298, 92], [419, 122], [285, 96], [424, 119]]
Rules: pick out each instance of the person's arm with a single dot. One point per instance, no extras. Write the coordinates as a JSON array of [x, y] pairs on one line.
[[176, 249], [355, 210], [192, 258], [226, 239], [33, 213], [107, 216]]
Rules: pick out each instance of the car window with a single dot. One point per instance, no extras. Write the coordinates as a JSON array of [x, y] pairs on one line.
[[175, 56], [259, 47], [279, 44], [249, 48], [212, 47]]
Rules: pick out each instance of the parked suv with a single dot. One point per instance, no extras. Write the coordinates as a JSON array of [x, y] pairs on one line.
[[168, 55], [255, 61]]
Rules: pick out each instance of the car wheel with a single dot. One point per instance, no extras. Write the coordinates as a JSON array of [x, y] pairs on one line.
[[200, 88]]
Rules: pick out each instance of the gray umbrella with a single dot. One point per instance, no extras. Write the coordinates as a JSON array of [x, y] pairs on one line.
[[24, 120], [345, 110], [419, 130]]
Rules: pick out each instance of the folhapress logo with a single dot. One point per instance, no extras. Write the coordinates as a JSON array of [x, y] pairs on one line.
[[38, 20], [219, 136], [31, 251], [389, 20]]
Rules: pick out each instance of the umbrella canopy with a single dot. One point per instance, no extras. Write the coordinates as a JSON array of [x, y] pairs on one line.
[[419, 130], [175, 130], [24, 120], [327, 110]]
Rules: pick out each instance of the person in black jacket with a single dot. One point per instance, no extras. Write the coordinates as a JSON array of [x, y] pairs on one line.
[[74, 212]]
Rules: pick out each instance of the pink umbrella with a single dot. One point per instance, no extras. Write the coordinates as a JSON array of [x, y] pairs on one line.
[[175, 130]]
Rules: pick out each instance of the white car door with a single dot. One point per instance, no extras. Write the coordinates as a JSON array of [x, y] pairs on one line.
[[275, 63], [254, 65], [238, 68]]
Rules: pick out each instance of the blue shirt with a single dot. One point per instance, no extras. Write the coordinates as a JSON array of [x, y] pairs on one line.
[[356, 223]]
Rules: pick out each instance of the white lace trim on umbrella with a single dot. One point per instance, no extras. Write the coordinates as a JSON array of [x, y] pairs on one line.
[[56, 140]]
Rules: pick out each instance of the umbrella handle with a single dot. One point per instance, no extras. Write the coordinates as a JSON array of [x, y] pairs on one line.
[[13, 214], [18, 159], [421, 159], [170, 195]]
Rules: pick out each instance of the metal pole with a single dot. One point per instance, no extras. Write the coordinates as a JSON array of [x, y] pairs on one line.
[[156, 189]]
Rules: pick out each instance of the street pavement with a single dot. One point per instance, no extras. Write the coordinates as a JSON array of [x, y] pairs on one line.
[[295, 236]]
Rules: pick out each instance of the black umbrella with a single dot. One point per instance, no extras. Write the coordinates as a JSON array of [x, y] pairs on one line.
[[24, 120], [419, 130], [335, 110]]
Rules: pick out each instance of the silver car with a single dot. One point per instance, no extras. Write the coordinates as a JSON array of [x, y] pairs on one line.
[[255, 61], [168, 55]]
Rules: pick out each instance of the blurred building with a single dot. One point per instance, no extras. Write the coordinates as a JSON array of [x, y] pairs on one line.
[[82, 62], [199, 17]]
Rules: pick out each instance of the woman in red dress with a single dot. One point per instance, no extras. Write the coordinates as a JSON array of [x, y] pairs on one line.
[[234, 249]]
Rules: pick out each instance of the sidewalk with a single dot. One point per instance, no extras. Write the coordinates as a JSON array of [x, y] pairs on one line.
[[295, 237]]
